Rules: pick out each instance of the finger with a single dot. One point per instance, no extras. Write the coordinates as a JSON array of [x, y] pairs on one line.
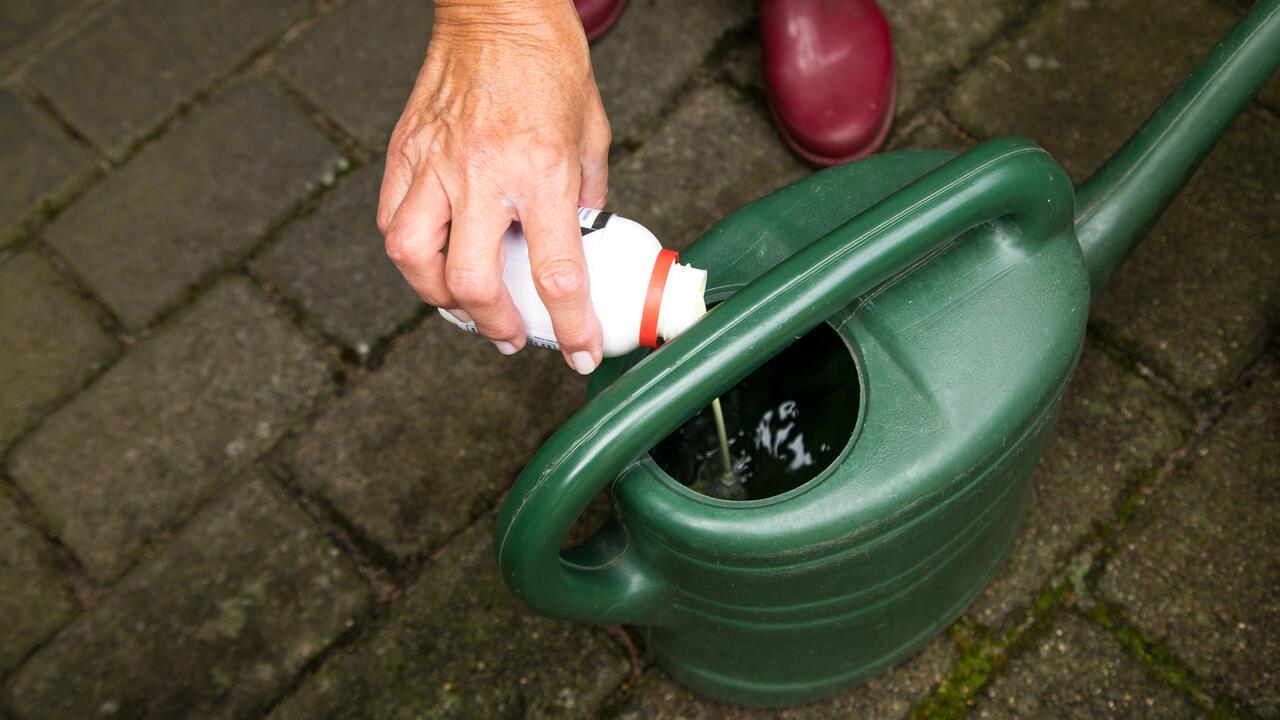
[[416, 237], [595, 181], [560, 275], [397, 177], [595, 162], [473, 272]]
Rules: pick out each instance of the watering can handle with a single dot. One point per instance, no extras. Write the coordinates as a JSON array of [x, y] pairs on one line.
[[1004, 178]]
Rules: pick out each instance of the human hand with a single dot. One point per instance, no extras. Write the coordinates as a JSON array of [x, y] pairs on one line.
[[504, 124]]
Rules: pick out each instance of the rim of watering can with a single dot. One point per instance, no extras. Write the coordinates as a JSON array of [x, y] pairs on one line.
[[719, 294]]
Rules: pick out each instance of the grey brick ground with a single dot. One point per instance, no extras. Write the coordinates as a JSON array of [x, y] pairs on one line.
[[52, 342], [40, 166], [25, 20], [1081, 100], [358, 63], [35, 599], [458, 645], [332, 264], [935, 39], [161, 54], [1199, 570], [890, 695], [933, 133], [416, 451], [1113, 430], [714, 154], [193, 202], [1084, 74], [1078, 671], [1201, 296], [215, 626], [149, 440], [655, 49]]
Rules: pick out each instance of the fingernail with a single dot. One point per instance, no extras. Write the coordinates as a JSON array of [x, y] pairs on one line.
[[461, 315], [583, 362], [504, 347]]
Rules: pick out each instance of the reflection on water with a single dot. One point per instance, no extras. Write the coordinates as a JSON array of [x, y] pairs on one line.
[[786, 422]]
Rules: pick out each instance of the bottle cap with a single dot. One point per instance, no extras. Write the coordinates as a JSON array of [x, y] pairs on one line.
[[683, 300]]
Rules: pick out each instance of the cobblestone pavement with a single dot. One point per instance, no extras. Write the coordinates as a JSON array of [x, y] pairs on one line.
[[246, 474]]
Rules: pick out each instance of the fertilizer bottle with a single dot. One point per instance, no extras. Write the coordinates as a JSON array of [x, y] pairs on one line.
[[640, 293]]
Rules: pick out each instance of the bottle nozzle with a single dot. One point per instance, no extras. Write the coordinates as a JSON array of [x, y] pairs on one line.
[[683, 300]]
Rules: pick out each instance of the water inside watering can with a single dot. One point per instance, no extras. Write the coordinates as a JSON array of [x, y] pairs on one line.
[[786, 422]]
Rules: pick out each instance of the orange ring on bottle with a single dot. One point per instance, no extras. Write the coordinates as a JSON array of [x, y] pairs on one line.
[[653, 297]]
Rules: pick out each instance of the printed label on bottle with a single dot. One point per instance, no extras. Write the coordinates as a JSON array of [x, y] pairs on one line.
[[536, 339], [592, 220]]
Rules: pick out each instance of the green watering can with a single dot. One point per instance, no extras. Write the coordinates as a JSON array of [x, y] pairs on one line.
[[959, 287]]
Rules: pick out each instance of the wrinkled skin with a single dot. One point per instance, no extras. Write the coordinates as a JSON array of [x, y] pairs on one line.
[[504, 123]]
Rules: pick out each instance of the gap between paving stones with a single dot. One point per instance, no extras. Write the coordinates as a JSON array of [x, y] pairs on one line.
[[83, 586], [724, 47], [350, 359], [936, 101], [109, 322], [1155, 379], [1160, 662], [388, 586], [347, 144], [728, 41], [198, 98], [64, 561], [349, 149], [983, 655], [86, 587], [255, 61], [87, 590], [71, 24]]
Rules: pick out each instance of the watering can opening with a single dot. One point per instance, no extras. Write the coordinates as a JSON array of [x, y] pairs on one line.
[[787, 422]]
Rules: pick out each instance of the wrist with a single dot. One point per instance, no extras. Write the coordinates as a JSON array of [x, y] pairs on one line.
[[508, 13]]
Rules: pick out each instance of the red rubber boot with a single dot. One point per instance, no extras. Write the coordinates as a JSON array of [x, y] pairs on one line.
[[598, 15], [829, 72]]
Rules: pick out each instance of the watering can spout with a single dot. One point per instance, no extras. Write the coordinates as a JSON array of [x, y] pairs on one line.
[[1124, 198]]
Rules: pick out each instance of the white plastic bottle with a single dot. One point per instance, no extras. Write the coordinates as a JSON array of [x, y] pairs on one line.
[[640, 293]]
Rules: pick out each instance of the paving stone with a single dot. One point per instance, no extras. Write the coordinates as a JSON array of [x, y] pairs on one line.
[[333, 265], [1198, 570], [458, 645], [933, 134], [656, 47], [716, 153], [1084, 74], [214, 626], [193, 202], [136, 64], [359, 62], [889, 695], [1201, 296], [35, 599], [935, 39], [149, 440], [1079, 671], [1078, 83], [41, 167], [25, 20], [1113, 429], [414, 452], [51, 339]]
